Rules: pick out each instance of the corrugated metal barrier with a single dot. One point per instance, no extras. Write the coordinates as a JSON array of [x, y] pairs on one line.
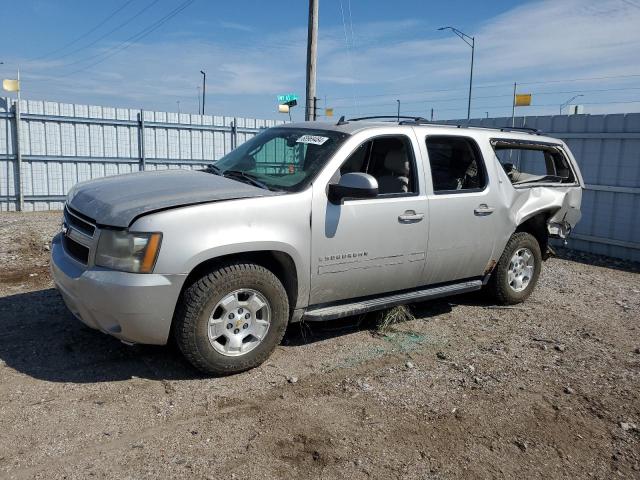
[[61, 144]]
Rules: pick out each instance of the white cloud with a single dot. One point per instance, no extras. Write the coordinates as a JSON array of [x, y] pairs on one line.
[[539, 41], [236, 26]]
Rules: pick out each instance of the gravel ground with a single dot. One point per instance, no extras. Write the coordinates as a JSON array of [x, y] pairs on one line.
[[548, 389]]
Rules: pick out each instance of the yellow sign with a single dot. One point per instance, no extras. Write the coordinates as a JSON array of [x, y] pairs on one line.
[[283, 108], [328, 112], [11, 85], [523, 99]]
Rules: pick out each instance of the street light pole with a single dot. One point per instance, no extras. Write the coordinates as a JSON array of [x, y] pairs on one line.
[[569, 101], [471, 41], [204, 88]]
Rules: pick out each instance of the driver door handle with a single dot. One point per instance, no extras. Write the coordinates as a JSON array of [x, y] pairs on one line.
[[410, 216], [483, 209]]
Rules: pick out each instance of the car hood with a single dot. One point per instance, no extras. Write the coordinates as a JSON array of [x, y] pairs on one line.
[[117, 201]]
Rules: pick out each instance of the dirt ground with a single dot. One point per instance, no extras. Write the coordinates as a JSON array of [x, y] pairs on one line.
[[549, 389]]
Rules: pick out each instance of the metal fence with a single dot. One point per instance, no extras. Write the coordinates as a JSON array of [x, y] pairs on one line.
[[607, 148], [60, 144]]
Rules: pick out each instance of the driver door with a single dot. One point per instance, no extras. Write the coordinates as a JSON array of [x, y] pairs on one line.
[[364, 247]]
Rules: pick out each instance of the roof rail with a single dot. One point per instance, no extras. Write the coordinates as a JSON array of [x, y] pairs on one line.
[[422, 121], [522, 129], [375, 117]]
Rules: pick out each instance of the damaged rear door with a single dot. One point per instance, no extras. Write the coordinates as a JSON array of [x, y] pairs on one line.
[[545, 178]]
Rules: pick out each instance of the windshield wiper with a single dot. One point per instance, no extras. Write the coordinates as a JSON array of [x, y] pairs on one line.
[[211, 168], [246, 176]]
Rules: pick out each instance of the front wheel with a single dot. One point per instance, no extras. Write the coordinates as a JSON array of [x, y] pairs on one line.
[[232, 318], [517, 271]]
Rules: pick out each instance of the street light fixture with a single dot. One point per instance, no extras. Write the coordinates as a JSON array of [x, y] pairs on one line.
[[204, 88], [569, 101], [472, 43]]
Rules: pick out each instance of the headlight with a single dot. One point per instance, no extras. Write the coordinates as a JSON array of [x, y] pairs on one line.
[[128, 251]]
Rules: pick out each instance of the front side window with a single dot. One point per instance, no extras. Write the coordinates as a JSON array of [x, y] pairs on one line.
[[389, 159], [281, 158], [456, 164], [532, 163]]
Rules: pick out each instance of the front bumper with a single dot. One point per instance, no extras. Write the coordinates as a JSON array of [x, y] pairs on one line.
[[133, 307]]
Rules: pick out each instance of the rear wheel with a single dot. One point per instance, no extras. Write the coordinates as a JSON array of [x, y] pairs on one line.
[[231, 319], [517, 271]]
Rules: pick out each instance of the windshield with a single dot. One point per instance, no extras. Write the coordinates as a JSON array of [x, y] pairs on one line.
[[282, 158]]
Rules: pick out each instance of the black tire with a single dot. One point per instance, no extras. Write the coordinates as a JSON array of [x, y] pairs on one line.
[[198, 301], [499, 286]]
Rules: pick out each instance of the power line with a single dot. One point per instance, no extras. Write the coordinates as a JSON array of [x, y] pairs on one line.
[[102, 37], [349, 54], [87, 33], [138, 36], [629, 2], [580, 79], [492, 85], [454, 99], [505, 107]]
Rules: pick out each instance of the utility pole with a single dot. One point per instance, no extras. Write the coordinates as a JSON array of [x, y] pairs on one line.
[[513, 107], [398, 110], [198, 97], [18, 149], [204, 88], [312, 57]]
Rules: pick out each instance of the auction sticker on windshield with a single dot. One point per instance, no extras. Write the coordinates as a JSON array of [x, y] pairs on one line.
[[312, 139]]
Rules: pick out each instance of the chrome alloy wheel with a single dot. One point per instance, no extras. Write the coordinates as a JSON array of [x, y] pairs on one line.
[[521, 269], [239, 322]]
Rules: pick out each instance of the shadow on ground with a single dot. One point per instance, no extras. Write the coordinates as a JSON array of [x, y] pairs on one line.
[[40, 338], [305, 333]]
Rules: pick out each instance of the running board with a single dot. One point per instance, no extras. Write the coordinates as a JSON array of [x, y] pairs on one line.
[[379, 303]]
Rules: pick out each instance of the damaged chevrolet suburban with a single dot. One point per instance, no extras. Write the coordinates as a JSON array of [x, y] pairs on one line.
[[312, 221]]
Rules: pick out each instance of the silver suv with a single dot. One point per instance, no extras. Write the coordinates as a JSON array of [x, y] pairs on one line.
[[312, 221]]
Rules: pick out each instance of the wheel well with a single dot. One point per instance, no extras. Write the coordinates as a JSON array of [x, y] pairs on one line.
[[537, 226], [280, 263]]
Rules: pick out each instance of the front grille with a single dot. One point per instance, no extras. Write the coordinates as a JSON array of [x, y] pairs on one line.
[[75, 249], [78, 221]]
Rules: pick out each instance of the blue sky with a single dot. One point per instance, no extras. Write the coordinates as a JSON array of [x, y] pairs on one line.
[[383, 50]]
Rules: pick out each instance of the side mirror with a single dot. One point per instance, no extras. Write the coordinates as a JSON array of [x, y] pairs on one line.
[[353, 185]]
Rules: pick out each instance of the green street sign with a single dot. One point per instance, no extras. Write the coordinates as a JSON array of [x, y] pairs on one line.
[[289, 97]]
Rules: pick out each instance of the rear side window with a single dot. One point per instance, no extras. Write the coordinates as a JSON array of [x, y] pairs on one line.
[[389, 159], [531, 163], [456, 164]]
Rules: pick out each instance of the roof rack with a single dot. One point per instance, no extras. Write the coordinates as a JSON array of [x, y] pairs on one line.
[[410, 120], [422, 121], [521, 129], [397, 117]]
